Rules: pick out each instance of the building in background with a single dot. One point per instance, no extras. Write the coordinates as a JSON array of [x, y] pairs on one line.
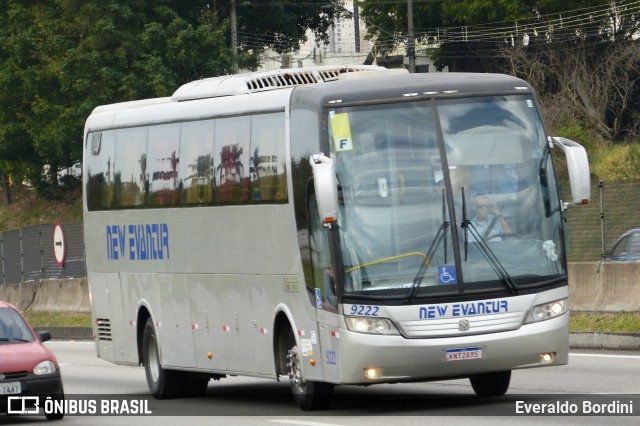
[[347, 45]]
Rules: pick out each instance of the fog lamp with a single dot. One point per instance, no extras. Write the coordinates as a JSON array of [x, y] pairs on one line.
[[547, 357], [371, 373]]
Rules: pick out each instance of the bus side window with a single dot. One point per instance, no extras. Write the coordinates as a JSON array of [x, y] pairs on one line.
[[163, 157], [99, 179], [130, 168], [196, 163], [231, 159], [267, 162]]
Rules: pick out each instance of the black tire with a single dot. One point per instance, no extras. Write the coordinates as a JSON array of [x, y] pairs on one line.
[[308, 395], [194, 384], [162, 383], [491, 384]]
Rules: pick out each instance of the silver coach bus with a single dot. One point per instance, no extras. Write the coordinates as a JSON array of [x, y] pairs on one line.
[[346, 225]]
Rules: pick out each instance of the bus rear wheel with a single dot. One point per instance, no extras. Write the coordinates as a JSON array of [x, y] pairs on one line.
[[491, 384], [162, 383], [308, 395]]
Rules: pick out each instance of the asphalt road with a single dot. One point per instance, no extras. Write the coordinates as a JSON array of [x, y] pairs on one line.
[[593, 378]]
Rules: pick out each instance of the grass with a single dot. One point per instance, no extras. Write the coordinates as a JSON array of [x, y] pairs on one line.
[[600, 322], [605, 322], [58, 319]]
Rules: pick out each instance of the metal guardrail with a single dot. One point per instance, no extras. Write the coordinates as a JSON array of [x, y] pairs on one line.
[[27, 254]]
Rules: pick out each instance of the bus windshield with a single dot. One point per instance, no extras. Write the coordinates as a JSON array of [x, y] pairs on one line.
[[445, 197]]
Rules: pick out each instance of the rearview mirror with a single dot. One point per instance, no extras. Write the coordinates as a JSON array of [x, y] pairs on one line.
[[578, 167], [44, 336], [326, 187]]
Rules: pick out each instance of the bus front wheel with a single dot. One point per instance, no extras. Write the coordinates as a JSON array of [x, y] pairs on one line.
[[307, 394], [162, 383], [491, 384]]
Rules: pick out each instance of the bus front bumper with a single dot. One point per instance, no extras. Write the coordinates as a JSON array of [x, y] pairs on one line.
[[369, 359]]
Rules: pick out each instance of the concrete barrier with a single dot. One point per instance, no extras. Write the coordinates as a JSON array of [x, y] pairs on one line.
[[20, 295], [604, 287], [65, 295]]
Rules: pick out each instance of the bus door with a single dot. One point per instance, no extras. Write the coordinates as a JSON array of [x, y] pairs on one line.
[[325, 297]]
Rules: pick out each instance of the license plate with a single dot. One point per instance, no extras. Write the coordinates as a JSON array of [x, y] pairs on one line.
[[463, 354], [10, 388]]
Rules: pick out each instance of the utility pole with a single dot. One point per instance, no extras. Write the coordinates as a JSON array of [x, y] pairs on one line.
[[411, 50], [234, 36], [356, 25]]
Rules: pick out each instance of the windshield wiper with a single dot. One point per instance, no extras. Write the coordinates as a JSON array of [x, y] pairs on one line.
[[12, 339], [467, 226], [424, 265]]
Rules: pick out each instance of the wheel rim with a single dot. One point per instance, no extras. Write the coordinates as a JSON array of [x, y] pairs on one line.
[[153, 361], [295, 372]]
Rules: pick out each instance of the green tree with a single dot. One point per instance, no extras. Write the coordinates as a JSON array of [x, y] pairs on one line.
[[62, 58], [580, 55], [469, 32], [282, 24], [59, 59]]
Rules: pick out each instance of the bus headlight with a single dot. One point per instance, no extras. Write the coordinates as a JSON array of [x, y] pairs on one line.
[[548, 310], [371, 325]]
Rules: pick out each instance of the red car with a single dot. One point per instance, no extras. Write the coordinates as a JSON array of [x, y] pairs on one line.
[[27, 368]]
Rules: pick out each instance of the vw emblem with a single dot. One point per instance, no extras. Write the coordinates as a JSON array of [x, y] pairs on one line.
[[463, 325], [1, 376]]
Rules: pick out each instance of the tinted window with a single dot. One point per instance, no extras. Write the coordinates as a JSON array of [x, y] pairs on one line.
[[235, 160], [231, 150], [196, 163], [99, 179], [130, 168], [163, 156], [267, 162]]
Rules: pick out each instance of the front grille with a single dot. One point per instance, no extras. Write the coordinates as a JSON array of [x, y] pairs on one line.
[[451, 327], [9, 377]]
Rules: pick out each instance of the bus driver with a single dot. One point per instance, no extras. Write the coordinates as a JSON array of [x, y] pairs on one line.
[[488, 221]]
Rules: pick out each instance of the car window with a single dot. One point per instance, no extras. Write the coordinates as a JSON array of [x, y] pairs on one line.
[[633, 249], [620, 248], [13, 328]]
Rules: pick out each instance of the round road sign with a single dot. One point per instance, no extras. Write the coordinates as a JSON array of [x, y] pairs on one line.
[[59, 247]]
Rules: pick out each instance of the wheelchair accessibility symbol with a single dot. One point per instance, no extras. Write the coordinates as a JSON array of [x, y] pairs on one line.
[[447, 274]]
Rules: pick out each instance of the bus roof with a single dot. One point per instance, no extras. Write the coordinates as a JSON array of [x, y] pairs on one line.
[[389, 87], [230, 85], [271, 89]]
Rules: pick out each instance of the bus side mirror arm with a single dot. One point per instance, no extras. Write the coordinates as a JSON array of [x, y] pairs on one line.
[[578, 167], [326, 188]]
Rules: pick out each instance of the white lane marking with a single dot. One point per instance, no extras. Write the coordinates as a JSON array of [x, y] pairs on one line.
[[607, 356], [303, 423]]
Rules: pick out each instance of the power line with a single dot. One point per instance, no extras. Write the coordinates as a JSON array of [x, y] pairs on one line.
[[600, 17]]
